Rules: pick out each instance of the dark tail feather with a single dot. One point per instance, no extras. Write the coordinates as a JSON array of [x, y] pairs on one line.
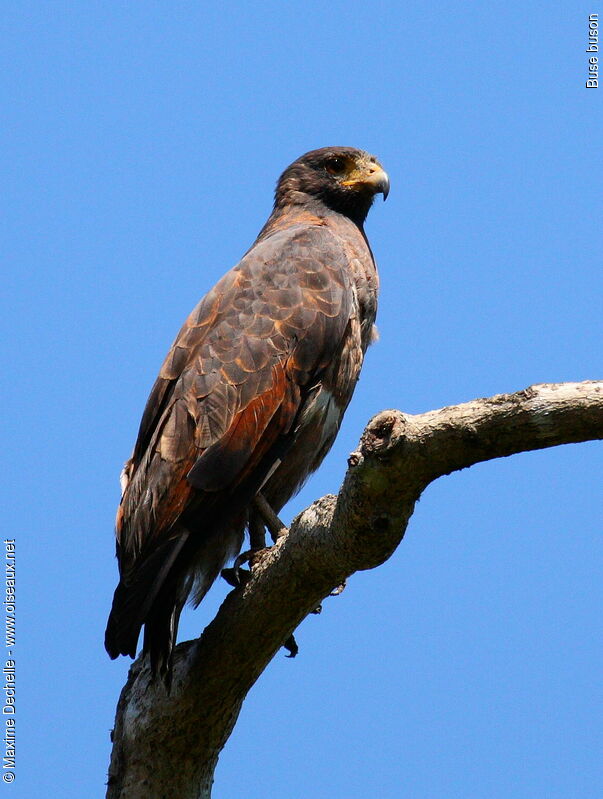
[[138, 594], [154, 593], [161, 627], [161, 622], [121, 638]]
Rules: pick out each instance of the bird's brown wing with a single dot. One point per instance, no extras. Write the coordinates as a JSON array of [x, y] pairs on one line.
[[225, 404]]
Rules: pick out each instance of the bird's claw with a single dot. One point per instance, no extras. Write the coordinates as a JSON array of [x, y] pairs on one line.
[[236, 576]]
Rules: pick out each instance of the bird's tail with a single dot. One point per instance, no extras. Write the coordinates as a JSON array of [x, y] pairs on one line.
[[155, 593]]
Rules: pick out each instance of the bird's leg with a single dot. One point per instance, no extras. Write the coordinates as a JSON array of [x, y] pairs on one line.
[[257, 543], [257, 531], [275, 526], [261, 516]]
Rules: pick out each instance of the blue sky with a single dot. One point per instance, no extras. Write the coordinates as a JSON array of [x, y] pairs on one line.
[[141, 143]]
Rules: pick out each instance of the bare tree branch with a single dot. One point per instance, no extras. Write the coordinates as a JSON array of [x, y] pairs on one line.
[[168, 746]]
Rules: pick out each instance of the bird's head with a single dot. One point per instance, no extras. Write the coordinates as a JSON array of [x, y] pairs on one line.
[[344, 179]]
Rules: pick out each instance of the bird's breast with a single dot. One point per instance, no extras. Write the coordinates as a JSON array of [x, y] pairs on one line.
[[317, 426], [322, 414]]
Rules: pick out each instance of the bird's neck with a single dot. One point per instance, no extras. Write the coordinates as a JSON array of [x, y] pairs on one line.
[[303, 208]]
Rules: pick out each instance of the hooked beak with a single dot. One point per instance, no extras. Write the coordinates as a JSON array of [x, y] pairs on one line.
[[377, 180], [382, 184]]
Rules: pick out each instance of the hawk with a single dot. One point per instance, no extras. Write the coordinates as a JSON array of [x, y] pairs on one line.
[[249, 398]]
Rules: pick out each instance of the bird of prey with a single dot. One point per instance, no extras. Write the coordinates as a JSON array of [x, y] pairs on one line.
[[249, 398]]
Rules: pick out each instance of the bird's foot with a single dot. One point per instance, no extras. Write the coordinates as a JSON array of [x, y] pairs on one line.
[[236, 576]]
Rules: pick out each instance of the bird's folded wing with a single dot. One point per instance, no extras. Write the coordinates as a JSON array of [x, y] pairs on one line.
[[234, 380]]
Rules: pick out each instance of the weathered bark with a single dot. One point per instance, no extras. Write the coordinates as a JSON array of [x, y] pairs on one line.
[[168, 746]]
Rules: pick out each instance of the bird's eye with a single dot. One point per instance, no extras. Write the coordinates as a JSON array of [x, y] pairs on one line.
[[335, 166]]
